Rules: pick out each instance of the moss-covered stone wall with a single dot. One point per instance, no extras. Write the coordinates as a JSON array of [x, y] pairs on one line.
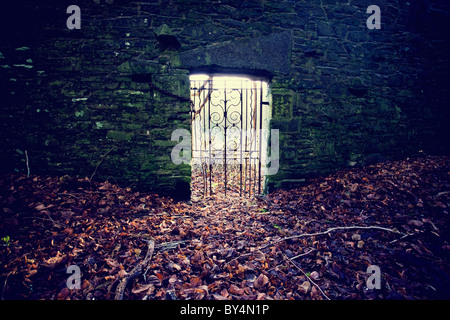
[[114, 90]]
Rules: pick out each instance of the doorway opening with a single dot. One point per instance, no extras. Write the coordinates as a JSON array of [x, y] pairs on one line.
[[230, 123]]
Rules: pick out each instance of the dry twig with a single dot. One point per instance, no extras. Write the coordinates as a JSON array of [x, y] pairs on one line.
[[328, 231], [28, 166], [98, 164], [135, 272], [300, 269], [302, 254]]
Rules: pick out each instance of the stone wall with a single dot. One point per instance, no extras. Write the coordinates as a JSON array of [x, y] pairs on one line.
[[115, 90]]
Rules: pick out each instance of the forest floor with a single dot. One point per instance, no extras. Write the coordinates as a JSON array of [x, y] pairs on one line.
[[319, 241]]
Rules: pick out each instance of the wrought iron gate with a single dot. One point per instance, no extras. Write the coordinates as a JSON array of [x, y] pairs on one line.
[[227, 118]]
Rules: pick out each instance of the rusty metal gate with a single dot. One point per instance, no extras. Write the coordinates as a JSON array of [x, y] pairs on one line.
[[227, 118]]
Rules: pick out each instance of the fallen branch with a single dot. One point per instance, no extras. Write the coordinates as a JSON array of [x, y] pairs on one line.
[[55, 223], [402, 237], [98, 164], [240, 256], [170, 245], [302, 254], [28, 166], [4, 284], [135, 272], [328, 231], [310, 280]]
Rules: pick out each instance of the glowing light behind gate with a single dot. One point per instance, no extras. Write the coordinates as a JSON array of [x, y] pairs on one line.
[[230, 125]]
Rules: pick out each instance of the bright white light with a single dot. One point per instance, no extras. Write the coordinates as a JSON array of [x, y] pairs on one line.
[[199, 77], [226, 81]]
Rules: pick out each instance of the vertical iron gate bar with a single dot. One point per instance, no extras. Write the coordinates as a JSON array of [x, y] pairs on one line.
[[225, 135], [246, 138], [202, 153], [245, 141], [240, 144], [250, 151], [209, 133], [255, 140], [193, 130], [260, 136]]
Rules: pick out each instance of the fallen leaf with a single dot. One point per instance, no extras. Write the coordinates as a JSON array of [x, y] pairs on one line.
[[63, 294], [141, 288], [112, 263], [233, 289], [40, 207], [415, 223], [356, 237], [152, 279], [219, 297], [260, 296], [173, 278], [86, 285], [56, 261], [159, 276], [261, 281], [196, 281], [122, 273], [224, 293], [304, 287], [160, 293], [259, 256]]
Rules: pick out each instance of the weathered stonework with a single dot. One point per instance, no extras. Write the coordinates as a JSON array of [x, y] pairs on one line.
[[270, 54], [341, 94]]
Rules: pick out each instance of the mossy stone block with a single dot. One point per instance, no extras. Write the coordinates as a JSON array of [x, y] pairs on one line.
[[120, 135]]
